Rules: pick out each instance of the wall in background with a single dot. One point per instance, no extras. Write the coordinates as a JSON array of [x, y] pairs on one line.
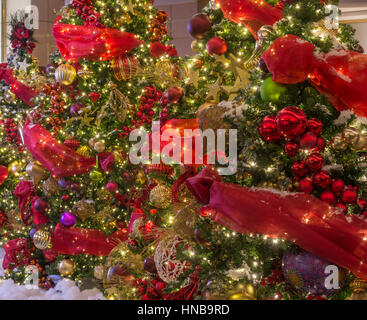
[[361, 33]]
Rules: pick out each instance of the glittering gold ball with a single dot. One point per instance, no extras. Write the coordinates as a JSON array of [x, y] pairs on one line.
[[50, 186], [42, 240], [99, 146], [92, 142], [84, 151], [66, 267], [65, 74], [98, 272], [351, 135], [338, 143], [361, 144], [196, 46], [83, 209], [15, 167], [160, 196]]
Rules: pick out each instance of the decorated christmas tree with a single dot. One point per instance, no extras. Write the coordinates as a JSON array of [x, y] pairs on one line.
[[271, 223]]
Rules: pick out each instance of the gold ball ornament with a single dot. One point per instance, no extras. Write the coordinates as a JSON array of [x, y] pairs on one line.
[[351, 135], [98, 272], [83, 209], [66, 267], [15, 167], [361, 144], [359, 288], [184, 221], [160, 196], [99, 146], [42, 240], [50, 186], [65, 74], [37, 172], [196, 46], [125, 67], [338, 143], [92, 142], [84, 151], [9, 96]]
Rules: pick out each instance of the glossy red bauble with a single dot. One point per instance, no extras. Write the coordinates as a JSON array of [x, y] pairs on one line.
[[112, 187], [291, 122], [291, 148], [321, 179], [160, 286], [3, 174], [308, 141], [315, 126], [314, 161], [174, 94], [337, 186], [216, 46], [328, 197], [299, 169], [198, 25], [320, 144], [268, 130], [305, 185], [349, 196]]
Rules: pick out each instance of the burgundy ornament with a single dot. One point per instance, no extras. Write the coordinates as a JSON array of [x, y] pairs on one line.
[[320, 144], [268, 130], [328, 197], [341, 206], [315, 126], [299, 169], [40, 205], [337, 186], [112, 187], [308, 141], [291, 122], [198, 25], [314, 161], [291, 148], [321, 179], [262, 66], [349, 196], [305, 185], [149, 264], [174, 94], [216, 46]]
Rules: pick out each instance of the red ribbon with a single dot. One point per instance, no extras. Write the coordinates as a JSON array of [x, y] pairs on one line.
[[74, 241], [305, 220], [92, 43], [22, 91], [59, 159], [16, 253], [340, 74], [252, 13]]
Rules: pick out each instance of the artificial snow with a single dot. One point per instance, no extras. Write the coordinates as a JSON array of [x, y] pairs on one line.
[[64, 290]]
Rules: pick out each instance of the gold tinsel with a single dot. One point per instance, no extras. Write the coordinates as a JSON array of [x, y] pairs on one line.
[[84, 151], [160, 196], [83, 209]]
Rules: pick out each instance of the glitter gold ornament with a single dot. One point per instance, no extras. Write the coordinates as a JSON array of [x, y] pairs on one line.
[[338, 143], [15, 167], [160, 196], [83, 209], [351, 135], [84, 151], [359, 288], [361, 144], [96, 175], [37, 172], [42, 240], [50, 186], [99, 146], [66, 267], [184, 221], [65, 74]]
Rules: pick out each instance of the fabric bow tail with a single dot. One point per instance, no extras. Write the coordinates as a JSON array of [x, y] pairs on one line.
[[301, 218]]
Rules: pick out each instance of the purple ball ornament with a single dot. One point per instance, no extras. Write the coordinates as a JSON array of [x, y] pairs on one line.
[[63, 183], [50, 69], [68, 219], [306, 272], [32, 232], [75, 108]]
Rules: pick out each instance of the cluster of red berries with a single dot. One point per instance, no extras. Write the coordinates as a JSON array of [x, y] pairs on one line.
[[57, 104], [150, 290], [145, 112], [11, 128], [158, 26], [275, 277], [85, 9], [21, 37]]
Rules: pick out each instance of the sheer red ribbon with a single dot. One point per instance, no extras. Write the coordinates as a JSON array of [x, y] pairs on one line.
[[307, 221], [22, 91], [339, 74], [59, 159], [252, 13], [74, 241], [92, 43], [16, 253]]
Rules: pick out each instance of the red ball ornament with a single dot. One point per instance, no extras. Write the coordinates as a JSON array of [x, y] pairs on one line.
[[314, 161], [268, 130], [305, 185], [125, 67], [349, 196], [160, 285], [112, 187], [291, 122], [216, 46], [291, 148], [341, 206], [321, 179], [3, 174], [362, 203], [337, 186], [149, 264], [328, 197], [299, 169], [308, 141], [320, 144], [198, 25], [40, 205], [315, 126], [174, 94]]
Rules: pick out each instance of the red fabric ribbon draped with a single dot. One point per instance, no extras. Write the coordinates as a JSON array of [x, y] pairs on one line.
[[307, 221], [92, 43], [252, 13], [22, 91], [16, 253], [59, 159], [24, 192], [339, 74], [74, 241]]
